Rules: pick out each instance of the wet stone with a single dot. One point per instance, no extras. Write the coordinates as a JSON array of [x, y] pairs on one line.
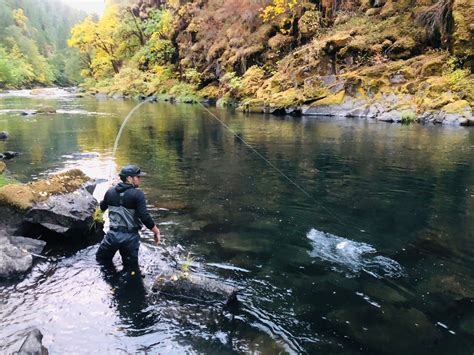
[[65, 214], [13, 260], [27, 342], [8, 155]]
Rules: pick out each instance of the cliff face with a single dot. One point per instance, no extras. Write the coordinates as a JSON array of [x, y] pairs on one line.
[[406, 58]]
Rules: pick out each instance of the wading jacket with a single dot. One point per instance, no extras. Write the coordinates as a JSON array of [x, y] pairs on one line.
[[127, 208]]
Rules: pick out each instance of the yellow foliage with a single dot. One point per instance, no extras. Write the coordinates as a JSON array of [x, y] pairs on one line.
[[285, 9], [20, 19]]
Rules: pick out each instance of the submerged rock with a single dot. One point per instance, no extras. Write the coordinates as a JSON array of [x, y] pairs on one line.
[[387, 328], [4, 135]]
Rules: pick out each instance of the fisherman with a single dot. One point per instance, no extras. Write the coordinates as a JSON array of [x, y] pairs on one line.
[[127, 214]]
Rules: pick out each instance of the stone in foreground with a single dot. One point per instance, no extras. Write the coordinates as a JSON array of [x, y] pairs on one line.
[[15, 257], [27, 342]]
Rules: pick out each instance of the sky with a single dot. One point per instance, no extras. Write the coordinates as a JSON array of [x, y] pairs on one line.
[[89, 6]]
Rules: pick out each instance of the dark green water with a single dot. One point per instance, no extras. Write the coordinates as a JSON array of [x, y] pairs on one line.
[[402, 197]]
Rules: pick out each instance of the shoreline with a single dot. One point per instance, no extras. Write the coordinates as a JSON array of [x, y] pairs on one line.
[[339, 105]]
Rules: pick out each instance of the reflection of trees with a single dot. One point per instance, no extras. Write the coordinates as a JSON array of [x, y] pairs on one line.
[[373, 175]]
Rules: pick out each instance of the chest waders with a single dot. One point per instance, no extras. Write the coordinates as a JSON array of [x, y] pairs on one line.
[[122, 236]]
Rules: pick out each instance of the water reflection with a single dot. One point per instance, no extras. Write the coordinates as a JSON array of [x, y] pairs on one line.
[[408, 191], [129, 297]]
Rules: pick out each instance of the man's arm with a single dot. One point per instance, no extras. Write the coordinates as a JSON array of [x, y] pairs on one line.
[[144, 216], [104, 204]]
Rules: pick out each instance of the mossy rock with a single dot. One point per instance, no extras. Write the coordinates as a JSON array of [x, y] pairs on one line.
[[314, 89], [403, 48], [463, 34], [335, 99], [372, 11], [280, 42], [433, 67], [336, 42], [287, 98], [23, 196], [252, 106], [459, 106], [310, 23]]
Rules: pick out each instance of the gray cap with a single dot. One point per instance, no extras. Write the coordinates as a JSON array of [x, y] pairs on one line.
[[131, 170]]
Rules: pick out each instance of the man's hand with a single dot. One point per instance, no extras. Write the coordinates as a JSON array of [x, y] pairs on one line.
[[156, 233]]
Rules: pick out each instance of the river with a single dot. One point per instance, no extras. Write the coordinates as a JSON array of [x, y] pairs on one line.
[[378, 260]]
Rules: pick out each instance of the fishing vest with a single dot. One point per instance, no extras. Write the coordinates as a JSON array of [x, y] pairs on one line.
[[123, 219]]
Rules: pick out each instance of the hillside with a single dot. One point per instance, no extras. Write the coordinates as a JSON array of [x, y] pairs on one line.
[[395, 60], [33, 44]]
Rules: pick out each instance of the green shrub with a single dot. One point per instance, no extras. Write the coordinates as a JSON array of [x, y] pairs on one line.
[[408, 117]]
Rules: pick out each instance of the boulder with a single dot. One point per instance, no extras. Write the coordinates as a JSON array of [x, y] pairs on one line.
[[332, 105], [68, 214], [16, 254], [118, 96], [390, 116], [13, 260], [8, 155], [24, 196], [27, 342], [358, 112], [29, 112], [32, 246], [4, 135]]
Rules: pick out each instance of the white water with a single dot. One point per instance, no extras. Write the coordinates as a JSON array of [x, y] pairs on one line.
[[352, 257]]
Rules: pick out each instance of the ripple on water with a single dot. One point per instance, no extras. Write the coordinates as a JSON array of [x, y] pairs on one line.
[[352, 257]]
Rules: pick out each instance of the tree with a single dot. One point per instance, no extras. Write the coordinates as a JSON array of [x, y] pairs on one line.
[[99, 41]]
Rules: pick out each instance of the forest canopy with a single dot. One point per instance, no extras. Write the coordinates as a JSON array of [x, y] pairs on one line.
[[33, 44]]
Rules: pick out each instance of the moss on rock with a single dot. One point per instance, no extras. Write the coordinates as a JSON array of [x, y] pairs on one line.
[[23, 196], [335, 99], [463, 34], [459, 106]]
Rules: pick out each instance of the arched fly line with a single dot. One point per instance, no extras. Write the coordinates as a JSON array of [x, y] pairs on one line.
[[290, 180], [119, 134], [248, 145]]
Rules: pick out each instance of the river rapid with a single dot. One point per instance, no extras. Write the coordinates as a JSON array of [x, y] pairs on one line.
[[379, 260]]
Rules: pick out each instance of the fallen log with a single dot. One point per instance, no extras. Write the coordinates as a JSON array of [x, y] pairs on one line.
[[195, 287]]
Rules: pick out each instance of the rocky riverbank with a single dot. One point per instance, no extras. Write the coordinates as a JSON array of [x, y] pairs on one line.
[[394, 61], [60, 207]]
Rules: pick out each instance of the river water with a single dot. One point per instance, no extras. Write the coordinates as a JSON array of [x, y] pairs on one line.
[[379, 260]]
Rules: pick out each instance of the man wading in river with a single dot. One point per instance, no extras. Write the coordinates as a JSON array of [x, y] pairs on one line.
[[127, 214]]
